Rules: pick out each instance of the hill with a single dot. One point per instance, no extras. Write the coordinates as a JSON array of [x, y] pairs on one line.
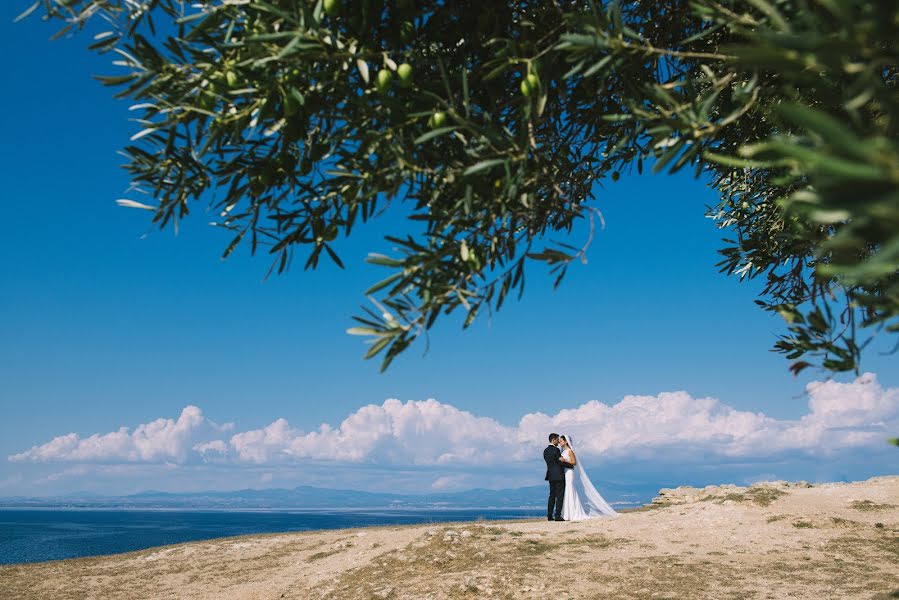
[[772, 541]]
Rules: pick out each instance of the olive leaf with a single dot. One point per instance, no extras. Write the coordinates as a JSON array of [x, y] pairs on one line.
[[265, 109]]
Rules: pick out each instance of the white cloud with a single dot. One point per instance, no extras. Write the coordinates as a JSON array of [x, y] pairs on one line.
[[71, 472], [451, 483], [440, 436], [263, 445], [162, 440], [208, 450], [413, 433]]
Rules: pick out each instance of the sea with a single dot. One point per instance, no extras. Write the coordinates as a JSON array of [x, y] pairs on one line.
[[41, 534]]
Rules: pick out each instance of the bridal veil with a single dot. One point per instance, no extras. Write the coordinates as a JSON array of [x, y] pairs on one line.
[[594, 504]]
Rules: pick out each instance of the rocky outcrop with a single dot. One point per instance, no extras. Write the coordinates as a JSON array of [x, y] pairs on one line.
[[763, 492]]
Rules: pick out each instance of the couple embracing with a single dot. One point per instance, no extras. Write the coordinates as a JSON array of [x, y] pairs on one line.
[[568, 484]]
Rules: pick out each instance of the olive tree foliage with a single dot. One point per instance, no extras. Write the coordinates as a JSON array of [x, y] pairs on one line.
[[490, 122]]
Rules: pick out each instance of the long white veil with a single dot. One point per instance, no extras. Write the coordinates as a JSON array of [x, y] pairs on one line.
[[594, 504]]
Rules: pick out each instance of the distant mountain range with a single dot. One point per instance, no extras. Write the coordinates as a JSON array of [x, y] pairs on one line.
[[314, 498]]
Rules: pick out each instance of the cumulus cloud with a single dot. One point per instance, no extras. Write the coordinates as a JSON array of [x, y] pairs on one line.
[[841, 416], [208, 450], [431, 434], [413, 433], [159, 441]]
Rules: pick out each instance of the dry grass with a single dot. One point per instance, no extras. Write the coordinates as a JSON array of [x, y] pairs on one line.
[[764, 496], [846, 523], [760, 496], [451, 560], [318, 556], [639, 509], [494, 562], [809, 545], [596, 542], [868, 506]]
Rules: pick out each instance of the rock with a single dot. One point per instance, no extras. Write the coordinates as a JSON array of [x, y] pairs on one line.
[[451, 536], [361, 534], [470, 582], [466, 534]]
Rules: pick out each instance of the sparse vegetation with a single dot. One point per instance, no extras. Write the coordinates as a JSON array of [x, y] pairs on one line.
[[629, 558], [762, 496], [318, 556], [597, 542], [840, 522], [644, 508], [869, 506], [536, 547]]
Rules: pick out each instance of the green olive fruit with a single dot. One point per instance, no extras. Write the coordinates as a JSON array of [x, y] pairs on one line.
[[438, 119], [533, 81], [332, 7], [231, 78], [526, 88], [383, 80], [404, 72], [616, 175]]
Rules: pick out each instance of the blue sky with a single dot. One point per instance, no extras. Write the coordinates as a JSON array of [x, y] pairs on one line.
[[106, 322]]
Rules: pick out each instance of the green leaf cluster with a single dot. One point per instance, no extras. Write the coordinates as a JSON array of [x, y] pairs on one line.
[[299, 120]]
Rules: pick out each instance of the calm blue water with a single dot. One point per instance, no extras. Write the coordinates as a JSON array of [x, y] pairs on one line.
[[31, 535]]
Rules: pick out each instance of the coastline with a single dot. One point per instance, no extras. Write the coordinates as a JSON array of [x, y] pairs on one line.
[[774, 540], [37, 535]]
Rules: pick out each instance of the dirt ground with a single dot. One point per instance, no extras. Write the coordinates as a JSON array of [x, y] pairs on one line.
[[833, 541]]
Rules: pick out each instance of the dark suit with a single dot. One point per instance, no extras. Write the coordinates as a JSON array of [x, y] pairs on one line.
[[555, 475]]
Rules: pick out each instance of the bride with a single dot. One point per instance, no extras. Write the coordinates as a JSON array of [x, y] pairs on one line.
[[578, 485]]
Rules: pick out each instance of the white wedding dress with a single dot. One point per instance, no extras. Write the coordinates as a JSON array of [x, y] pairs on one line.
[[578, 486]]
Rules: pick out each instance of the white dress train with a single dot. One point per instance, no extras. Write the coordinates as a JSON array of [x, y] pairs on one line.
[[577, 484]]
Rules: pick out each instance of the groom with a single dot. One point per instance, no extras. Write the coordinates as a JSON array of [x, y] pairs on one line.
[[555, 475]]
